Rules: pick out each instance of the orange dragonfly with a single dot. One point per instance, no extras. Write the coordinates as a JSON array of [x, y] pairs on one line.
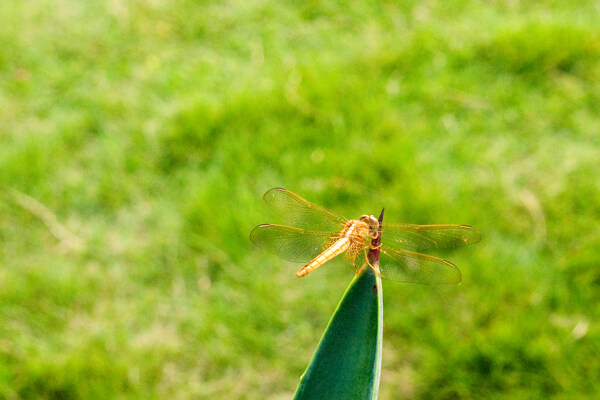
[[320, 235]]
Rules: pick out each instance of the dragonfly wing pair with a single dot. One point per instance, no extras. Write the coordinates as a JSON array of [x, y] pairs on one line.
[[399, 264], [312, 233], [316, 229]]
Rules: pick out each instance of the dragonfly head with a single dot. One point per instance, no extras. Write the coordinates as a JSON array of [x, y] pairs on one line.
[[373, 224]]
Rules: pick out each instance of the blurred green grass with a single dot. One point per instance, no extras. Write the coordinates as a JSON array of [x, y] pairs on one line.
[[149, 130]]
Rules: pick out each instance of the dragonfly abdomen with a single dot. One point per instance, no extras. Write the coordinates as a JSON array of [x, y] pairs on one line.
[[334, 250]]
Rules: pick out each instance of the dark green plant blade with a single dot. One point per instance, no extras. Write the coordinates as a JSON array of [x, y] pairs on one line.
[[347, 363]]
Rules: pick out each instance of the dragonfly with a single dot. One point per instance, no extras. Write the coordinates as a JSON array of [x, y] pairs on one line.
[[318, 235]]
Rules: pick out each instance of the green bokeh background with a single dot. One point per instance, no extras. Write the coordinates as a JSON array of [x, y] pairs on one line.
[[137, 138]]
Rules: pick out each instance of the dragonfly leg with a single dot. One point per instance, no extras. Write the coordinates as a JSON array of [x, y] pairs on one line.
[[354, 264], [376, 269], [371, 242]]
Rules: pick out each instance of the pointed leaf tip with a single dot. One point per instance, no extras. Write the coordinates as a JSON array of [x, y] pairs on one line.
[[347, 362]]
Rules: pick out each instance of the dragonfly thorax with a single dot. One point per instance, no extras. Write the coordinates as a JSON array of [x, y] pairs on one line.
[[361, 229]]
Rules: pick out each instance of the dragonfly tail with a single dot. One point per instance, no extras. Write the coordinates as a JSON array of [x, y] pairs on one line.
[[336, 249]]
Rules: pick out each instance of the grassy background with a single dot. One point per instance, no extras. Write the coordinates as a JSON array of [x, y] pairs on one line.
[[136, 140]]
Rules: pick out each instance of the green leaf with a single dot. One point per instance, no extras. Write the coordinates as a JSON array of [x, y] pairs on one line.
[[347, 363]]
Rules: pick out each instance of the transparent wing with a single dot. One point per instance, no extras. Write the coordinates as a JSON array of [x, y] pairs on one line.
[[297, 211], [289, 243], [421, 237], [406, 266]]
